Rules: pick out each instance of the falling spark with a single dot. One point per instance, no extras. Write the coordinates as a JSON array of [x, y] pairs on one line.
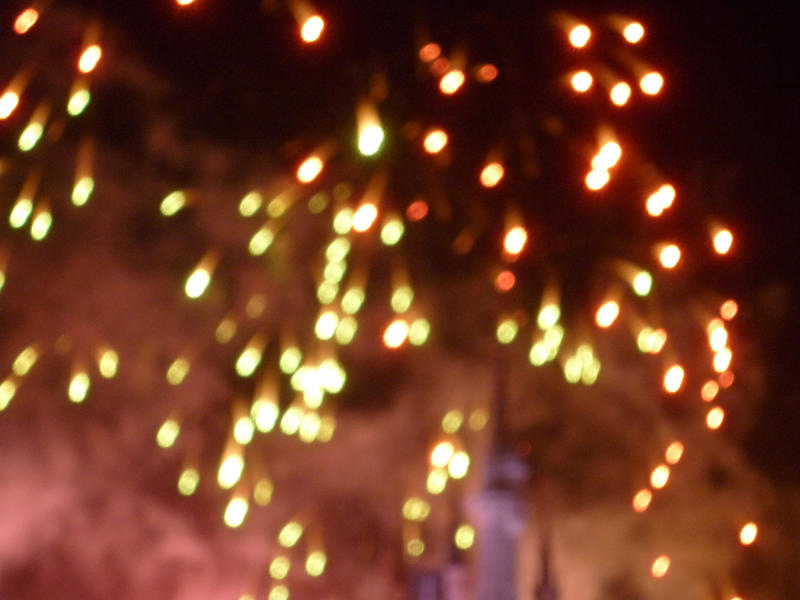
[[607, 314], [582, 81], [748, 534], [309, 169], [620, 93], [236, 511], [8, 102], [633, 32], [491, 174], [364, 217], [642, 499], [669, 256], [25, 20], [660, 566], [723, 240], [674, 453], [89, 58], [715, 417], [659, 477], [673, 379], [596, 180], [451, 82], [515, 240], [396, 334], [651, 83], [435, 141], [441, 454]]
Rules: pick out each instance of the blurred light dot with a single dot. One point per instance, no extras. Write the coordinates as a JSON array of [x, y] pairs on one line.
[[197, 282], [392, 232], [8, 388], [290, 534], [30, 136], [370, 140], [262, 492], [8, 102], [507, 331], [452, 420], [607, 314], [250, 203], [728, 309], [669, 256], [225, 330], [243, 430], [722, 360], [417, 210], [515, 240], [312, 29], [709, 390], [633, 32], [492, 174], [458, 465], [264, 413], [396, 334], [726, 379], [642, 500], [326, 325], [437, 481], [597, 179], [435, 141], [364, 217], [674, 453], [25, 361], [230, 470], [82, 191], [451, 81], [651, 83], [78, 387], [505, 281], [642, 283], [464, 537], [715, 417], [279, 567], [172, 203], [108, 363], [579, 36], [235, 512], [620, 93], [352, 300], [20, 213], [723, 241], [261, 241], [25, 20], [248, 360], [78, 102], [748, 534], [178, 370], [659, 477], [548, 316], [441, 454], [89, 59], [168, 433], [416, 509], [486, 73], [660, 200], [660, 566], [402, 298], [309, 169], [188, 481], [429, 52], [478, 419], [315, 563], [607, 157], [582, 81], [673, 379], [415, 547], [279, 592], [419, 331]]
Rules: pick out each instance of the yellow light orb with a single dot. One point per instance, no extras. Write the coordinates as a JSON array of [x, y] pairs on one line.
[[435, 141], [309, 169], [235, 512], [670, 256], [674, 452], [441, 454], [364, 216], [620, 93], [579, 36], [458, 465], [78, 387], [230, 471], [607, 157], [597, 179], [515, 240], [168, 433], [396, 334], [633, 32], [279, 567], [491, 174], [89, 58], [312, 28], [464, 537], [651, 83], [660, 566], [722, 360], [188, 481], [714, 418], [25, 20], [642, 500], [723, 240], [748, 534], [452, 81], [659, 477], [582, 81], [370, 139], [642, 283], [8, 102], [315, 563], [607, 314], [673, 379]]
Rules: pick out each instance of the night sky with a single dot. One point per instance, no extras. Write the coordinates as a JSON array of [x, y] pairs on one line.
[[220, 96]]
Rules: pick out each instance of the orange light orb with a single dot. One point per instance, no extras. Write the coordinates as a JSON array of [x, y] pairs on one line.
[[715, 417], [660, 566], [184, 2], [492, 174], [748, 534], [89, 58], [430, 52], [723, 240], [633, 32], [582, 81], [8, 102], [728, 309], [364, 216], [670, 256], [660, 200], [417, 210], [309, 169], [597, 179], [452, 81], [607, 314], [505, 281], [659, 477], [396, 334], [620, 94], [642, 500], [726, 379], [515, 240], [25, 20], [673, 379], [486, 73], [579, 36], [651, 83], [442, 453], [312, 29], [607, 157], [722, 360], [435, 141], [673, 453]]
